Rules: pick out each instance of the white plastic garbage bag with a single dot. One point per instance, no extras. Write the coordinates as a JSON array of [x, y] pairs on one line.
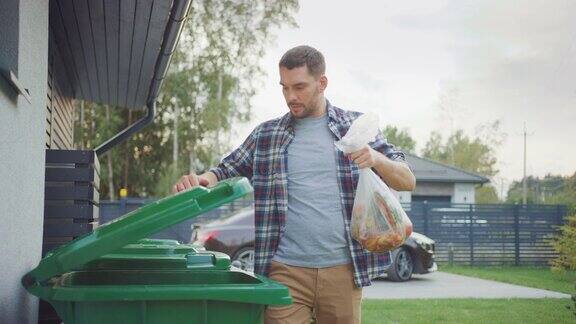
[[379, 222]]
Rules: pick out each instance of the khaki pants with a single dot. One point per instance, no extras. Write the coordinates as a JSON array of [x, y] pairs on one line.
[[328, 292]]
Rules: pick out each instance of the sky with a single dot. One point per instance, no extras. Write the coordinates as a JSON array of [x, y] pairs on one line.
[[512, 61]]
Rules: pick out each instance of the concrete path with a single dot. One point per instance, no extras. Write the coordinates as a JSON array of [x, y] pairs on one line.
[[446, 285]]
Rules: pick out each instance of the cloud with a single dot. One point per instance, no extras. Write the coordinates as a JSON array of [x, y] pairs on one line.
[[509, 60]]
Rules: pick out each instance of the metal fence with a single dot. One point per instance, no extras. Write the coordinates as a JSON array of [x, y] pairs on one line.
[[500, 234], [471, 234]]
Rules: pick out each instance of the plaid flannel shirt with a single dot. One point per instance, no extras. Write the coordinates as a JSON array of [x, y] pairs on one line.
[[262, 158]]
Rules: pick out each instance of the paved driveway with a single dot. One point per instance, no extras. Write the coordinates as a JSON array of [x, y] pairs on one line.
[[446, 285]]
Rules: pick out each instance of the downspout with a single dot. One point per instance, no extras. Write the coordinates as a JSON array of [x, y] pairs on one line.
[[171, 34]]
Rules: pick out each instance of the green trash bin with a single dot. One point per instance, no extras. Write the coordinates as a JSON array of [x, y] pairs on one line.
[[113, 275]]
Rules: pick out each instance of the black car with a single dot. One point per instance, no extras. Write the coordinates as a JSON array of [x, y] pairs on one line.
[[234, 236]]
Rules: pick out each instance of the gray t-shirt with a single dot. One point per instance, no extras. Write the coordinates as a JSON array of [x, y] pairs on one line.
[[315, 234]]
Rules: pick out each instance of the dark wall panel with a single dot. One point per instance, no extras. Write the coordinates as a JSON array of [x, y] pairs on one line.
[[59, 102]]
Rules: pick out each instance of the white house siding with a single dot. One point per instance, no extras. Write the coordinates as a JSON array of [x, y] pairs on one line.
[[433, 189], [404, 196], [22, 144], [463, 193]]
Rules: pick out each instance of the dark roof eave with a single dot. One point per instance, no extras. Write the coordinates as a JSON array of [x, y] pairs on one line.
[[171, 35], [169, 42], [437, 180], [480, 178]]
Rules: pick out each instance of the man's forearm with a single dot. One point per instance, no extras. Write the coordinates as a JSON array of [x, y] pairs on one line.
[[396, 175], [210, 177]]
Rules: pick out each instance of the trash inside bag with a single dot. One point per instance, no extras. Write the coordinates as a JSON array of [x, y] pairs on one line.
[[379, 222]]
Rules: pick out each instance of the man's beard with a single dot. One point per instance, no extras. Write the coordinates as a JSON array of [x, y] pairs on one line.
[[303, 109]]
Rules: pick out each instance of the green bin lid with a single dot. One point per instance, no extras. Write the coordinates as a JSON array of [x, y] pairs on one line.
[[160, 254], [136, 225]]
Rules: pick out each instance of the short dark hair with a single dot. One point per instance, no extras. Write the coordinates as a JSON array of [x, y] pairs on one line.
[[304, 55]]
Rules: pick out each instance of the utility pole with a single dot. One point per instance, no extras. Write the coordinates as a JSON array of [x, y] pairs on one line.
[[524, 180], [524, 185]]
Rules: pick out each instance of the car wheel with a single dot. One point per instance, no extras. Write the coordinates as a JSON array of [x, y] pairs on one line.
[[402, 266], [246, 257]]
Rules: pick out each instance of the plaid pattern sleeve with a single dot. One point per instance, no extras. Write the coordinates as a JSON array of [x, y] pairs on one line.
[[238, 162], [381, 145]]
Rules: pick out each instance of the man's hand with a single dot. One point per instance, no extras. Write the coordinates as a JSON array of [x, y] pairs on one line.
[[397, 175], [365, 157], [191, 180]]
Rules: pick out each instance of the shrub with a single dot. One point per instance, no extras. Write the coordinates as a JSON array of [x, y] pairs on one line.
[[565, 245]]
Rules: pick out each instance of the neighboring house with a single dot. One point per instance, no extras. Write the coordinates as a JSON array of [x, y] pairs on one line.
[[438, 182], [114, 52]]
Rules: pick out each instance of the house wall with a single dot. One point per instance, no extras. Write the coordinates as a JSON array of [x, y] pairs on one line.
[[24, 44], [464, 193], [59, 102], [460, 193], [433, 189], [404, 196]]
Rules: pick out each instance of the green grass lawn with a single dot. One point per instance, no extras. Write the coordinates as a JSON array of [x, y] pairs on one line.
[[507, 311], [537, 277]]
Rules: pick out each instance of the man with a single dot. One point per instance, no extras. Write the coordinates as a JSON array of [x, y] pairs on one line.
[[304, 191]]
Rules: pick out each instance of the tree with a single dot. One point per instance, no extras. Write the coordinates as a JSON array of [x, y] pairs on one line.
[[434, 148], [486, 195], [564, 193], [460, 150], [472, 153], [400, 138], [213, 76], [550, 189], [95, 124]]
